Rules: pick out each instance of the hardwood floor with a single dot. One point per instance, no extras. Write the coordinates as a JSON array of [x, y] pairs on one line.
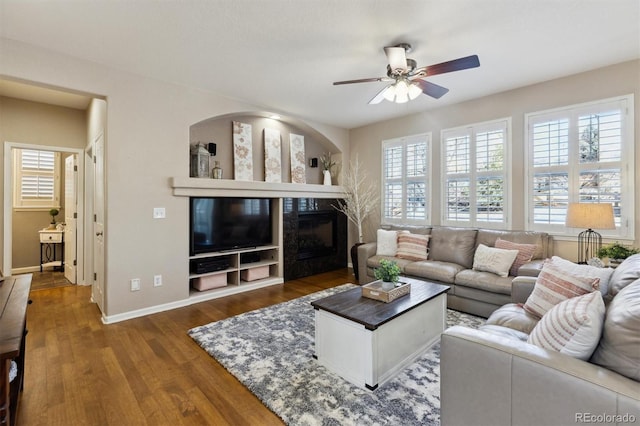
[[145, 371], [48, 279]]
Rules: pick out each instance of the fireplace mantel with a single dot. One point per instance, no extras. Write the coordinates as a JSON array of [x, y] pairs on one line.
[[198, 187]]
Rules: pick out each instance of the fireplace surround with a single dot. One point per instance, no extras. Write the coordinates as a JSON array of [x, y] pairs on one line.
[[315, 237]]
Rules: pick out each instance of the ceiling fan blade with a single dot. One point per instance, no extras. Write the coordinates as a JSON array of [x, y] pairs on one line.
[[397, 57], [450, 66], [431, 89], [379, 97], [361, 80]]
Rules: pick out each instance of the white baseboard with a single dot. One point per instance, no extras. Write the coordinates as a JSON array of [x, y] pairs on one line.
[[25, 270]]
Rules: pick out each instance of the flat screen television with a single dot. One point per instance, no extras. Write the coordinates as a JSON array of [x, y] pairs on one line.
[[227, 223]]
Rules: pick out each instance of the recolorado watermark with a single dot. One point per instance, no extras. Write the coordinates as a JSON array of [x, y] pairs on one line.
[[604, 418]]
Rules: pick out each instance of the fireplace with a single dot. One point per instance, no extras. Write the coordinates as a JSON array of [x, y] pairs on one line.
[[317, 234], [315, 237]]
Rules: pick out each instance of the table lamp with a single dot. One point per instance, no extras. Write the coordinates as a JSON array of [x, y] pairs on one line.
[[590, 216]]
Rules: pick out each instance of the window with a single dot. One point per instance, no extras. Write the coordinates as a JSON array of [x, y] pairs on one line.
[[581, 153], [405, 186], [475, 184], [36, 179]]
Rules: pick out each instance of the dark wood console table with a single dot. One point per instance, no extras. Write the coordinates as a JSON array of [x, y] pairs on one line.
[[14, 297]]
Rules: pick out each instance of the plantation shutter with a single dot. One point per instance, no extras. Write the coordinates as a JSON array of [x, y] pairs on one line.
[[36, 178]]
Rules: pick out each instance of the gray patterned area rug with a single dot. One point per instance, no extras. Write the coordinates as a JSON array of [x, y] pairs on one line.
[[271, 350]]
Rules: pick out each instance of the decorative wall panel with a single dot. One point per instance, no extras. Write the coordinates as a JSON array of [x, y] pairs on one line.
[[242, 151], [272, 156], [298, 170]]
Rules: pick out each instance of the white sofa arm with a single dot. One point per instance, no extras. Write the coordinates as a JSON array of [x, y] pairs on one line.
[[488, 379]]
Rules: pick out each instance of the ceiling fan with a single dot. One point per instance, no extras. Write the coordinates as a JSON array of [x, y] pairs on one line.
[[407, 80]]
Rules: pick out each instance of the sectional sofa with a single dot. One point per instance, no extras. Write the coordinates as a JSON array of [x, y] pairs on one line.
[[450, 257], [587, 371]]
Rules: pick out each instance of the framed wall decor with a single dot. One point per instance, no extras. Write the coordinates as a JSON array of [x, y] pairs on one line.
[[296, 148]]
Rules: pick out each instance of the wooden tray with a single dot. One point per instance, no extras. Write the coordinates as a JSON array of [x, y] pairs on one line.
[[375, 291]]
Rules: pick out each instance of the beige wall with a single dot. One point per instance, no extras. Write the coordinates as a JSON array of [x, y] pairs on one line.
[[147, 143], [615, 80], [45, 125], [219, 131]]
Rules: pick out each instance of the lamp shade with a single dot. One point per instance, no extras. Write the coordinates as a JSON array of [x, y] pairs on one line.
[[590, 216]]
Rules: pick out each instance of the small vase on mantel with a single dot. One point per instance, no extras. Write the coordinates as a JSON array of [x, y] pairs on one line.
[[327, 177]]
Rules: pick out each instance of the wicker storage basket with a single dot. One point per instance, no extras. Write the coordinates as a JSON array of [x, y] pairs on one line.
[[375, 291]]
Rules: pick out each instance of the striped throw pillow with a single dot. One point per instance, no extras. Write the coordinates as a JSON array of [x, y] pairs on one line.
[[555, 285], [572, 327], [525, 253], [412, 246]]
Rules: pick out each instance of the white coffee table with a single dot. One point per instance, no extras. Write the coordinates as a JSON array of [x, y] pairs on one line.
[[367, 341]]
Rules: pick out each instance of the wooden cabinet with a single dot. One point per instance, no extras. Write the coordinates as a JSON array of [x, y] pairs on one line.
[[14, 297]]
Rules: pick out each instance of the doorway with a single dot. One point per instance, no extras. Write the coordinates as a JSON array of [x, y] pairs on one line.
[[78, 228]]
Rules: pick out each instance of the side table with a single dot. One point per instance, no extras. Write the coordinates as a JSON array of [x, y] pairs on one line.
[[49, 240]]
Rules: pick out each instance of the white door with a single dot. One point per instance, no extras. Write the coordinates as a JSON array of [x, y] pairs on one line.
[[70, 217], [98, 223]]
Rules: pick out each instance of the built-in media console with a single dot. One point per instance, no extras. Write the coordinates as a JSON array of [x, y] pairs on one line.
[[233, 242]]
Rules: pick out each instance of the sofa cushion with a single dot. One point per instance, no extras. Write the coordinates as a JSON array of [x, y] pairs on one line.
[[486, 281], [586, 270], [619, 348], [495, 260], [507, 332], [572, 327], [433, 270], [453, 245], [626, 273], [554, 285], [512, 315], [387, 243], [478, 295], [525, 253], [374, 261], [412, 246]]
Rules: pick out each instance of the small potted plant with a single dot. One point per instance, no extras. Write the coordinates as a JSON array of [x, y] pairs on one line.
[[616, 252], [388, 272], [53, 213]]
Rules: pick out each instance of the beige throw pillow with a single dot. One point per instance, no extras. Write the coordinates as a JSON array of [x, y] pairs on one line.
[[387, 243], [555, 285], [490, 259], [525, 253], [572, 327]]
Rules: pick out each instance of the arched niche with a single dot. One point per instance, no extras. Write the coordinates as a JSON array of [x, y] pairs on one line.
[[219, 130]]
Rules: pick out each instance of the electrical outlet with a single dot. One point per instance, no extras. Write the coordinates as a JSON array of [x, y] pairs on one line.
[[157, 280], [159, 213], [135, 284]]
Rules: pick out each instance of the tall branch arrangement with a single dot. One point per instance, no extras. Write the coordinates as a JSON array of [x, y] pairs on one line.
[[361, 196]]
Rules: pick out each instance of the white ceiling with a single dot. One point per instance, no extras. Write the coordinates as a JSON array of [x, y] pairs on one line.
[[283, 55]]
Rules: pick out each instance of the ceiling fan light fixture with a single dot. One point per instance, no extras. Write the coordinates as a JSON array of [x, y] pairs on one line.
[[402, 98], [414, 91], [390, 93]]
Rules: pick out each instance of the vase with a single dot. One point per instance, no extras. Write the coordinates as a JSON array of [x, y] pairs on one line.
[[388, 285], [354, 259], [216, 172], [327, 177]]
